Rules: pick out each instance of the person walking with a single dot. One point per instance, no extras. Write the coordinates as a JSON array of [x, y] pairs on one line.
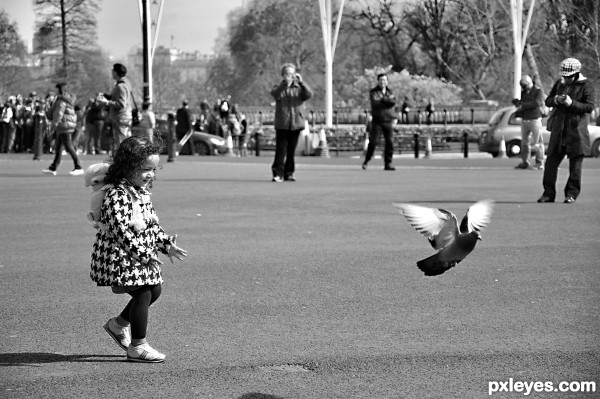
[[125, 252], [572, 100], [383, 114], [290, 95], [63, 122], [119, 104], [529, 109]]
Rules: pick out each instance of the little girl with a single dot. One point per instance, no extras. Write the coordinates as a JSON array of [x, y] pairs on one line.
[[125, 253]]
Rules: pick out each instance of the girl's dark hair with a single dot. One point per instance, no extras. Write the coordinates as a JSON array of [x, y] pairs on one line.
[[130, 156]]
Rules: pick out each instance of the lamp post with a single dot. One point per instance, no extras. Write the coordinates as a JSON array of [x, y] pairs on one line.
[[147, 46], [519, 38], [329, 42]]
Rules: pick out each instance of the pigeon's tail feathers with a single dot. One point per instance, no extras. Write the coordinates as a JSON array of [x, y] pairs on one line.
[[433, 266], [478, 216]]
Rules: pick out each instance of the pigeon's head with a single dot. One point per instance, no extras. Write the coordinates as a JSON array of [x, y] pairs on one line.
[[476, 234]]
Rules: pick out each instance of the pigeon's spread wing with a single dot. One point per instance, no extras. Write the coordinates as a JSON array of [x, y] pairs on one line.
[[438, 225], [478, 216]]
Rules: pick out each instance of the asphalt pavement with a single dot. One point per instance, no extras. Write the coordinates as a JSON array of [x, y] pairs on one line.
[[307, 289]]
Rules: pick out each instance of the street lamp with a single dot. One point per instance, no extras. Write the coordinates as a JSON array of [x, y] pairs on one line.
[[519, 39], [329, 43]]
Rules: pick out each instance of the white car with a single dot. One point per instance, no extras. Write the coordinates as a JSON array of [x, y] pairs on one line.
[[505, 124]]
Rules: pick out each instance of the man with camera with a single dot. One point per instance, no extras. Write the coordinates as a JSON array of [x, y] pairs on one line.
[[572, 100], [119, 104], [384, 116], [529, 110], [290, 95]]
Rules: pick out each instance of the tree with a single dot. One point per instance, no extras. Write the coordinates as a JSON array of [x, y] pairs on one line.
[[262, 37], [382, 26], [71, 26], [418, 89], [12, 55], [167, 90], [465, 40], [70, 22], [569, 28]]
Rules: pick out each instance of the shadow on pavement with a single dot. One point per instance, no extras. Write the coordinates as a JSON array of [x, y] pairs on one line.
[[255, 395], [29, 359]]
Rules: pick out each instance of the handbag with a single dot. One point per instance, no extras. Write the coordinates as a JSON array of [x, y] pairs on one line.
[[550, 121], [135, 113]]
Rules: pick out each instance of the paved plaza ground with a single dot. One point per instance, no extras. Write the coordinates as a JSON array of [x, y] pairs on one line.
[[306, 289]]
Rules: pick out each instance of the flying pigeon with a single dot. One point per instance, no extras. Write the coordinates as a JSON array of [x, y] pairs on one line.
[[441, 229]]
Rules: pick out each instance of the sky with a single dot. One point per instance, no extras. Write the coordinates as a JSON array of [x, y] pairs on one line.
[[189, 25]]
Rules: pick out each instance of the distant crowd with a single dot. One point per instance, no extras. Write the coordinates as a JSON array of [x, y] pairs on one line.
[[21, 116]]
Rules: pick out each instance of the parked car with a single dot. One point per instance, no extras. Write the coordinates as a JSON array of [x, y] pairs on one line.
[[204, 143], [505, 124]]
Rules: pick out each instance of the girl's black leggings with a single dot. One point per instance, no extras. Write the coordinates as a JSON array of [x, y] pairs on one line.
[[136, 311]]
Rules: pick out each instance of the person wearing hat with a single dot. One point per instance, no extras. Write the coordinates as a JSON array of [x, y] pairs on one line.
[[572, 100], [64, 120]]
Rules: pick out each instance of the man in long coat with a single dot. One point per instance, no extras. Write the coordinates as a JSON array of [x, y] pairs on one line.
[[572, 100]]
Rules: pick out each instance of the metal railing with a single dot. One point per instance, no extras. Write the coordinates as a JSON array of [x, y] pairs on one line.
[[355, 116]]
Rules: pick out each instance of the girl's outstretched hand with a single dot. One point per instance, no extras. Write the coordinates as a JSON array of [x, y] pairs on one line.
[[175, 251]]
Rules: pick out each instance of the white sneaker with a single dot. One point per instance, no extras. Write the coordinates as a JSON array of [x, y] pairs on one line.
[[144, 354], [76, 172], [49, 172], [120, 334]]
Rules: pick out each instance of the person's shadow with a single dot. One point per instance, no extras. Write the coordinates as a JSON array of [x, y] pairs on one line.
[[33, 358], [256, 395]]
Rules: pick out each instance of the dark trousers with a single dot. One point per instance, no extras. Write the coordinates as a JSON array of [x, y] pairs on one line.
[[377, 129], [64, 139], [573, 186], [285, 149], [4, 136], [94, 136], [136, 311]]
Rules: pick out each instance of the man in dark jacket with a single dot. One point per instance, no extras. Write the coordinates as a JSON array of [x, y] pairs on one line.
[[572, 99], [289, 96], [384, 116], [528, 108], [185, 123], [64, 120]]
